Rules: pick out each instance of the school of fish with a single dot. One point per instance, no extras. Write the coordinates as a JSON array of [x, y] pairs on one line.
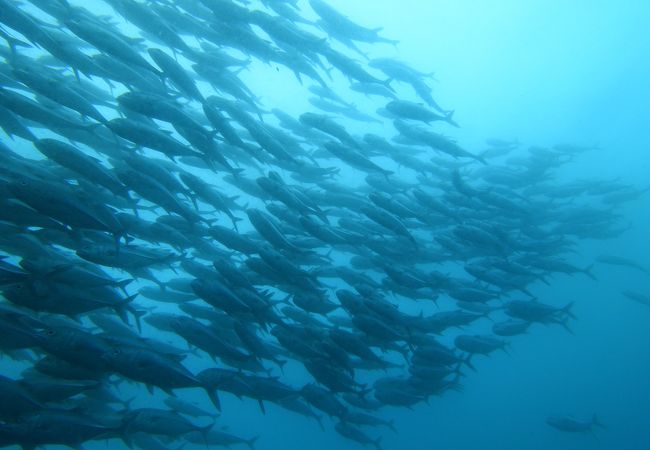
[[161, 225]]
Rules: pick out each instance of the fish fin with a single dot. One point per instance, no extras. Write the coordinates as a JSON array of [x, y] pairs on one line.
[[251, 442], [13, 43], [121, 312], [386, 83], [214, 398], [597, 422], [168, 391], [204, 430], [320, 422], [137, 314], [588, 271], [128, 299], [449, 119], [567, 310], [386, 173], [468, 363], [261, 403], [280, 363], [124, 283], [565, 325]]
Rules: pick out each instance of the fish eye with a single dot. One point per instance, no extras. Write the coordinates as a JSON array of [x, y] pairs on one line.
[[50, 332]]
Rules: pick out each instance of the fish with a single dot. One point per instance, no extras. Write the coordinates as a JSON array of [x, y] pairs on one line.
[[355, 434], [620, 261], [637, 297], [572, 425], [413, 111]]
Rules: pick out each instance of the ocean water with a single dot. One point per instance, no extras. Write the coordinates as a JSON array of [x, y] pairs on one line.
[[535, 73]]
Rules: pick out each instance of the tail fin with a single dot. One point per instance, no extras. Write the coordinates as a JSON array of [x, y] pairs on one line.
[[483, 155], [123, 307], [125, 301], [565, 325], [468, 363], [392, 42], [386, 173], [280, 363], [588, 271], [459, 373], [449, 118], [205, 430], [137, 315], [477, 158], [234, 221], [126, 404], [377, 443], [13, 43], [251, 442], [386, 83], [596, 422], [261, 403], [214, 397], [320, 422], [123, 283], [567, 310]]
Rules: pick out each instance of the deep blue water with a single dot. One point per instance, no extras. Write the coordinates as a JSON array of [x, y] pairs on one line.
[[540, 73]]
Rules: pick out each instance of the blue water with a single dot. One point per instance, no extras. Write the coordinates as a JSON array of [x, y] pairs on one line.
[[541, 73]]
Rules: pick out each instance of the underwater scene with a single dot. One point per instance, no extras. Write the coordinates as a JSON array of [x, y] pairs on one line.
[[324, 224]]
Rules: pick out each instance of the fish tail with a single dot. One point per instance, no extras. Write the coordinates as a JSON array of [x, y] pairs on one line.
[[281, 363], [320, 422], [567, 310], [468, 362], [565, 325], [137, 315], [449, 118], [589, 272], [204, 430], [213, 395], [251, 442], [13, 43], [595, 421]]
